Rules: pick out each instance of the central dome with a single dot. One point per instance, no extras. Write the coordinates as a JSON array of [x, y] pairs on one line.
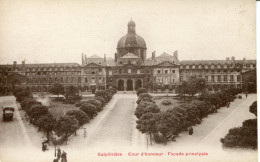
[[131, 39]]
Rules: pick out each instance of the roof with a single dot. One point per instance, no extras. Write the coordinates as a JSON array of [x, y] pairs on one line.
[[208, 62], [131, 40], [94, 56], [130, 55]]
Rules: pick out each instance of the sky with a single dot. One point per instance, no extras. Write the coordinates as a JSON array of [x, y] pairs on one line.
[[61, 30]]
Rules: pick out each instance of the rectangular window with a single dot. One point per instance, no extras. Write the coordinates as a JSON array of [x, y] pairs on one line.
[[181, 78], [219, 78], [206, 78], [231, 78], [225, 78], [159, 71], [86, 80], [173, 71], [166, 71]]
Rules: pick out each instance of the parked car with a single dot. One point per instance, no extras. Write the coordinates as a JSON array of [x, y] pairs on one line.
[[8, 113]]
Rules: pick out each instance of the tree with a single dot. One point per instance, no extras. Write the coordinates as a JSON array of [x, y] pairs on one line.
[[182, 89], [20, 95], [57, 89], [47, 122], [145, 97], [141, 90], [37, 110], [89, 109], [147, 124], [167, 124], [146, 107], [253, 108], [101, 99], [81, 116], [67, 124], [72, 95], [97, 103], [106, 94]]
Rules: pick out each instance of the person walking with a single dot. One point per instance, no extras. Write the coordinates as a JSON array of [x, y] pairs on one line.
[[64, 157], [85, 133], [190, 131]]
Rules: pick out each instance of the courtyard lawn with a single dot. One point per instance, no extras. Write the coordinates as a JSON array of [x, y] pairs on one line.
[[57, 108], [174, 102]]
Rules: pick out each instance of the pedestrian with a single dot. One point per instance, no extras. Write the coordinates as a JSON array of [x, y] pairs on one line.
[[246, 95], [190, 131], [64, 157], [59, 153], [85, 132]]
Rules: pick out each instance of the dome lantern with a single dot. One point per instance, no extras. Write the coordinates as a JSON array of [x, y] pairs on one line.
[[131, 27]]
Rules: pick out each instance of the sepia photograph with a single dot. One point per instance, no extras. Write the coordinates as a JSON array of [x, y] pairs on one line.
[[118, 80]]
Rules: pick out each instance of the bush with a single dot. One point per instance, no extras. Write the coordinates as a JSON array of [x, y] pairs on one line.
[[141, 90], [146, 107], [106, 94], [166, 102], [159, 138], [37, 110], [97, 103], [253, 108], [242, 137], [101, 99], [144, 97], [112, 90], [81, 116], [89, 109]]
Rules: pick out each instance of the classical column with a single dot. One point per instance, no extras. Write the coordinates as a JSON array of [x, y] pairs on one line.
[[133, 84], [125, 84]]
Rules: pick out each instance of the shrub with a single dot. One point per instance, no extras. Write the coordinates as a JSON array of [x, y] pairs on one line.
[[89, 109], [159, 138], [67, 124], [81, 116], [113, 90], [166, 102], [146, 107], [253, 108], [141, 90], [101, 99], [37, 110], [106, 94], [97, 103], [144, 97]]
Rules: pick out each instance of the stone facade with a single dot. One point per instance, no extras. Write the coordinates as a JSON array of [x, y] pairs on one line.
[[130, 69]]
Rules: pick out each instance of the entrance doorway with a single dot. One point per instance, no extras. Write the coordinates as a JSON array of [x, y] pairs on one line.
[[120, 85], [138, 84], [129, 85]]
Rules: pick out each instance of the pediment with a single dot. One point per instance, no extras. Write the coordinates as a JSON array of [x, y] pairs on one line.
[[166, 63], [92, 64]]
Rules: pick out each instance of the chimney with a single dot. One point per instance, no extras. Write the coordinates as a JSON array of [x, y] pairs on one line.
[[115, 57], [175, 54], [153, 55], [244, 59], [105, 58], [85, 57], [82, 59], [14, 65], [23, 65], [233, 58], [227, 59]]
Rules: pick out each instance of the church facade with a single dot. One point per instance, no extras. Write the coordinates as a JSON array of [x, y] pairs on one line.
[[130, 70]]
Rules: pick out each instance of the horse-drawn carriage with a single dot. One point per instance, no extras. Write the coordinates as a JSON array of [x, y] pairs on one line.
[[8, 113]]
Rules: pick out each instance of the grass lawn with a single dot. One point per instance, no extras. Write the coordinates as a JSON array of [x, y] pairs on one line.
[[174, 101], [58, 109]]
